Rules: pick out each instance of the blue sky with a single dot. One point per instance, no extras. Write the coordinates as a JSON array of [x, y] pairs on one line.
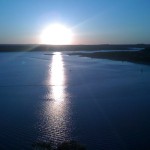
[[92, 21]]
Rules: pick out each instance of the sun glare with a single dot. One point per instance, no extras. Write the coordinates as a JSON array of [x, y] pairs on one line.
[[56, 34]]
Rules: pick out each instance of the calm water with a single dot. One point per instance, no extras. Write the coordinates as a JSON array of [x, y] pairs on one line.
[[103, 104]]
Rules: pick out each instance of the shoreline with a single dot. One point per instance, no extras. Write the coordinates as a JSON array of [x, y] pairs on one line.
[[119, 53], [140, 57]]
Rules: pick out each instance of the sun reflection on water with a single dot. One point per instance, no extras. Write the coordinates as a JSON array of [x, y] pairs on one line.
[[56, 108], [57, 78], [57, 70]]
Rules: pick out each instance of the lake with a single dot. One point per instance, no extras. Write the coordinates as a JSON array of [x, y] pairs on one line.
[[101, 103]]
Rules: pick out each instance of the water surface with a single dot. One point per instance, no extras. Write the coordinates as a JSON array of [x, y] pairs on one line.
[[103, 104]]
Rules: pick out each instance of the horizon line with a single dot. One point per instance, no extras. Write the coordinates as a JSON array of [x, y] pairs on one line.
[[75, 44]]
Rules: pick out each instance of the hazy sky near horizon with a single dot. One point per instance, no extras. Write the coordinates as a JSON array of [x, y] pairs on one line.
[[92, 21]]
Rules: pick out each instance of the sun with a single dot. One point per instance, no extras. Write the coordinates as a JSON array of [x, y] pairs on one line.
[[56, 34]]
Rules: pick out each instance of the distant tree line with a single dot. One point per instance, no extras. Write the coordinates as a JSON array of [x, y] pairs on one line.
[[34, 47]]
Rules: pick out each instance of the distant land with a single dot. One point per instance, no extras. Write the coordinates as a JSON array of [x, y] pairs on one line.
[[141, 56], [34, 47]]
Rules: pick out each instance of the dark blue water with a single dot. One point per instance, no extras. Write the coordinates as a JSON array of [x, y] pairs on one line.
[[101, 103]]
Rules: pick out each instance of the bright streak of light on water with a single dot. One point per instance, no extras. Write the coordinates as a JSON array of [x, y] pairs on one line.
[[56, 108]]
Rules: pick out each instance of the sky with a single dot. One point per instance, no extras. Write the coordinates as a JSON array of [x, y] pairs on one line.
[[92, 21]]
